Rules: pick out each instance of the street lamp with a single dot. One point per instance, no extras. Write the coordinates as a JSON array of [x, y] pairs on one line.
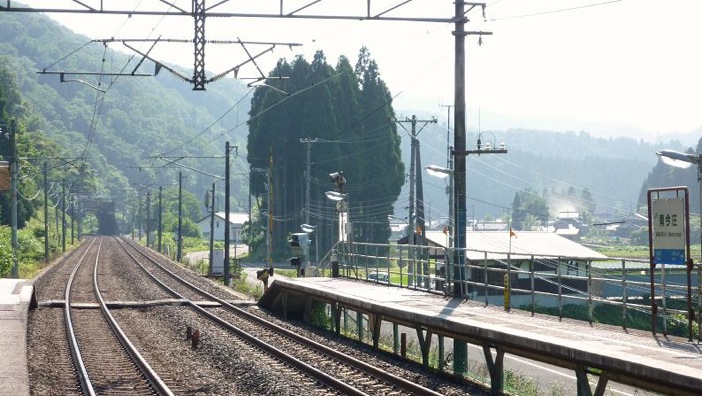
[[438, 171], [310, 228], [680, 160], [334, 196]]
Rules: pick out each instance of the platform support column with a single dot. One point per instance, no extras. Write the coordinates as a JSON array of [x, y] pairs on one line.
[[396, 339], [360, 325], [461, 357], [376, 322], [440, 358], [425, 341], [345, 319], [583, 387], [495, 368], [336, 315]]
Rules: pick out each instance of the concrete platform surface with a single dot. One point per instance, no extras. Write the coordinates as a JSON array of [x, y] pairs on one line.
[[16, 295], [566, 342]]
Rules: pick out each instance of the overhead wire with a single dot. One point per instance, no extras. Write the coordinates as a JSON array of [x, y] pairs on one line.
[[556, 11]]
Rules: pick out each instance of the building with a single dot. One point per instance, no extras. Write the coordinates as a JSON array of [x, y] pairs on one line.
[[236, 221]]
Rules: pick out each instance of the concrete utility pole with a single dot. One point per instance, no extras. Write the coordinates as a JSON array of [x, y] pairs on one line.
[[73, 217], [460, 11], [46, 215], [227, 275], [450, 194], [160, 218], [13, 205], [148, 218], [212, 229], [139, 217], [416, 208], [179, 251], [269, 229], [63, 216], [309, 141]]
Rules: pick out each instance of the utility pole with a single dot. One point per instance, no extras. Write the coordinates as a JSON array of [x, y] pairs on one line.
[[139, 217], [460, 347], [148, 217], [309, 141], [269, 229], [46, 216], [160, 218], [179, 252], [80, 217], [227, 224], [63, 216], [212, 229], [73, 217], [416, 215], [13, 189], [450, 194]]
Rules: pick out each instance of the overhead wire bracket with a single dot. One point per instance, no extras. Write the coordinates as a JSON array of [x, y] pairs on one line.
[[159, 65]]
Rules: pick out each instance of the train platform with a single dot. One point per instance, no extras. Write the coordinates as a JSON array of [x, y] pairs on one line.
[[670, 365], [16, 297]]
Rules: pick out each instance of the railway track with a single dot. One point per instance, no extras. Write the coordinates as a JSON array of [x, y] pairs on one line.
[[337, 370], [105, 360], [239, 352]]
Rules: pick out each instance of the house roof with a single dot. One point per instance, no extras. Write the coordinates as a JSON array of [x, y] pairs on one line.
[[568, 231], [525, 244], [234, 217]]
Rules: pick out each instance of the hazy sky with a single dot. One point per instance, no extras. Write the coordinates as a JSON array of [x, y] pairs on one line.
[[607, 67]]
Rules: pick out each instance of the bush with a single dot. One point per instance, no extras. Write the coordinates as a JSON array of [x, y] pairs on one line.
[[5, 251]]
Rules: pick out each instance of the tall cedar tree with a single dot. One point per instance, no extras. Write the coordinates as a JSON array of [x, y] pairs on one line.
[[349, 111]]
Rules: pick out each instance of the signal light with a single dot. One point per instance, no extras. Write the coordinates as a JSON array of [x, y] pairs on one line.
[[295, 261], [338, 179], [262, 274], [294, 241]]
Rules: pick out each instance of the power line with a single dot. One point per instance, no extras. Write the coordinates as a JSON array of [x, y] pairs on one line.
[[556, 10]]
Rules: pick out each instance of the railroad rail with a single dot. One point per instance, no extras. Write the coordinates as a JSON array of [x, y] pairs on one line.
[[335, 369], [105, 360]]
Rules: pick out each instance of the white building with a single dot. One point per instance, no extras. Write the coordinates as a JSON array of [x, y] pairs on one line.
[[236, 221]]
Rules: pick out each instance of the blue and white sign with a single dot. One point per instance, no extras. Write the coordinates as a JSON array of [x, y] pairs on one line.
[[668, 231]]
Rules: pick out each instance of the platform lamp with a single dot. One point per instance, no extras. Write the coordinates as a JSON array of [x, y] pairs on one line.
[[309, 229], [680, 160]]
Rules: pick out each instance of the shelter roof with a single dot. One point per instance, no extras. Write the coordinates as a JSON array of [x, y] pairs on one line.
[[523, 245]]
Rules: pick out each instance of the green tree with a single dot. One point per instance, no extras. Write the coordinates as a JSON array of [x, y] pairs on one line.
[[529, 210], [349, 111]]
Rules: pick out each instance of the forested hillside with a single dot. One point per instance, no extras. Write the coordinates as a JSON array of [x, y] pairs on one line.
[[548, 163], [115, 137], [118, 125]]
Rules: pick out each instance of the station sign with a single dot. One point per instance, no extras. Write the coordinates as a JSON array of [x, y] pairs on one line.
[[668, 224]]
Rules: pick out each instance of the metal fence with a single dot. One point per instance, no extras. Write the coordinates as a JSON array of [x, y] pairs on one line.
[[530, 281]]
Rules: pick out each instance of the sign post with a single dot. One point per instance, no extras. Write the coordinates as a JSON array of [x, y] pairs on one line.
[[669, 241]]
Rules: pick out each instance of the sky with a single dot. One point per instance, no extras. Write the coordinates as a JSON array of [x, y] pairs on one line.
[[607, 67]]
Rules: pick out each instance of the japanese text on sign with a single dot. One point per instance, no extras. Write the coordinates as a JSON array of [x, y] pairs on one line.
[[668, 232]]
